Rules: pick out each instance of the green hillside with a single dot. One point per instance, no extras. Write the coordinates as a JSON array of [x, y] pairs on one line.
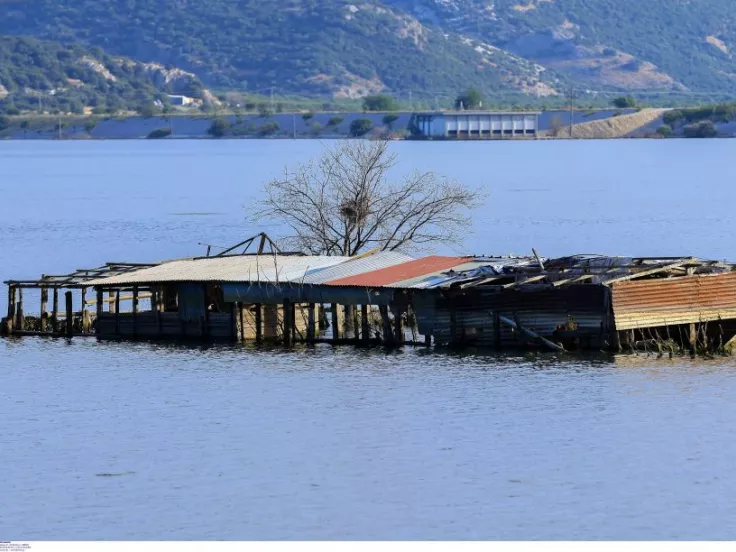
[[47, 76], [318, 47], [628, 44]]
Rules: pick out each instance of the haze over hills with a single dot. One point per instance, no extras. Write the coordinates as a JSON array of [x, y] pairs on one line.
[[342, 48]]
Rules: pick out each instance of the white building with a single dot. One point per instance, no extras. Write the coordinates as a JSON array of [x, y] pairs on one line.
[[175, 99], [478, 124]]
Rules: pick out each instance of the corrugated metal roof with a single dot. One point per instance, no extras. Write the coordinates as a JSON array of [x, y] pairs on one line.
[[398, 273], [357, 266], [672, 301], [241, 268]]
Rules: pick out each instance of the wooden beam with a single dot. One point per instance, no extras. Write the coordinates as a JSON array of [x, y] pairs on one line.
[[539, 260], [69, 315], [650, 272], [398, 326], [365, 331], [575, 280], [259, 322], [288, 322], [117, 312], [55, 312], [100, 307], [335, 322], [11, 308], [20, 319], [387, 334], [44, 308], [135, 311], [526, 281], [311, 323], [532, 334]]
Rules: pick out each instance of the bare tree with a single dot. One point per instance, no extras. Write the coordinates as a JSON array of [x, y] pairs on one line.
[[345, 203]]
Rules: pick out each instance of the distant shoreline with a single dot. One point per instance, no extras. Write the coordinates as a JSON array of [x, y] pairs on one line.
[[553, 125]]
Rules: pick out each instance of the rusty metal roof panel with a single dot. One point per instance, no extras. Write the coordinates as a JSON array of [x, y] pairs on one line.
[[671, 301], [390, 276], [357, 266], [240, 268]]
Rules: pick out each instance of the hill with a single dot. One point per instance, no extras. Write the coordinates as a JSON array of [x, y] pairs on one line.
[[316, 47], [351, 48], [622, 44], [47, 76]]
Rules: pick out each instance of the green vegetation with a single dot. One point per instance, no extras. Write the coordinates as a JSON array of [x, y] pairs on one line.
[[335, 121], [665, 131], [268, 129], [50, 77], [311, 47], [379, 102], [622, 102], [360, 127], [159, 133], [219, 128], [389, 119], [470, 99], [703, 129], [721, 113], [671, 35]]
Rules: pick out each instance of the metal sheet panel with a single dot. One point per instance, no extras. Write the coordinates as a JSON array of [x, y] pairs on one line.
[[354, 267], [274, 294], [392, 276], [672, 301], [241, 268]]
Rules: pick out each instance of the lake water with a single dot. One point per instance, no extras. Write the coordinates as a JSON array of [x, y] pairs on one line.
[[147, 441]]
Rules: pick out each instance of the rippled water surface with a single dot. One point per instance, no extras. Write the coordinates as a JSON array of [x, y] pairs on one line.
[[149, 441]]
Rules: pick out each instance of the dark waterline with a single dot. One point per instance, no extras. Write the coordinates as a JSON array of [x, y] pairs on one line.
[[153, 441]]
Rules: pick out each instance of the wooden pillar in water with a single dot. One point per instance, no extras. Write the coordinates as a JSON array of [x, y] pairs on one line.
[[135, 311], [44, 308], [335, 322], [365, 331], [69, 314], [11, 308], [496, 330], [387, 334], [158, 309], [398, 327], [111, 305], [117, 311], [20, 320], [311, 323], [100, 309], [55, 312], [85, 320], [288, 322], [259, 322]]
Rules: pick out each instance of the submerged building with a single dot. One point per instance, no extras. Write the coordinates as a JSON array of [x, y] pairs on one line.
[[577, 302], [476, 124]]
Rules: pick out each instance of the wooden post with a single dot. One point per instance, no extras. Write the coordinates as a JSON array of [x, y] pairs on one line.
[[293, 322], [241, 317], [83, 311], [398, 327], [69, 315], [693, 339], [111, 305], [365, 331], [496, 330], [335, 322], [387, 334], [206, 318], [259, 322], [100, 310], [428, 340], [11, 309], [55, 312], [44, 308], [158, 294], [234, 319], [20, 321], [117, 312], [288, 322], [311, 323], [135, 311], [154, 299]]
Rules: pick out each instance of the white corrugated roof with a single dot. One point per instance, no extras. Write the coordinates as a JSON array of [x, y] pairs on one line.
[[353, 267], [241, 268]]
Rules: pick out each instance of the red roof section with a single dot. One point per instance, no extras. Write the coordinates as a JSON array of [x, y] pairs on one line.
[[400, 272]]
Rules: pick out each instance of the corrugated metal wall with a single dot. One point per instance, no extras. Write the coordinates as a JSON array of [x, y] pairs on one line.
[[672, 301], [542, 311]]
